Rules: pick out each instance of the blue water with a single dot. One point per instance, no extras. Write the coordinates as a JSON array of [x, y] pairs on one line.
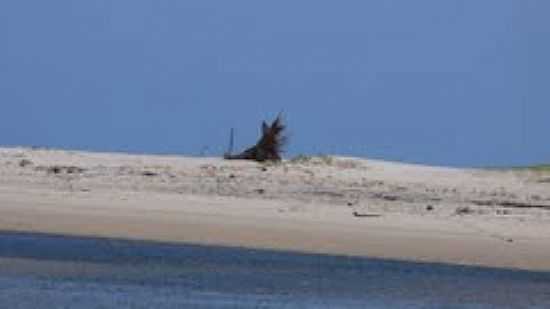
[[54, 271]]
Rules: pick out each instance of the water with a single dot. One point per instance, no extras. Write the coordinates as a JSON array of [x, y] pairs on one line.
[[53, 271]]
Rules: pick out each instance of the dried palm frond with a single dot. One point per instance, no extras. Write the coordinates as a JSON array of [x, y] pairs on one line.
[[268, 148]]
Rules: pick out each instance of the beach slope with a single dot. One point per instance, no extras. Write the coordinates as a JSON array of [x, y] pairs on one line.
[[332, 205]]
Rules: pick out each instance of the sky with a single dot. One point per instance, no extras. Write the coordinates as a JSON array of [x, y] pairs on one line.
[[455, 83]]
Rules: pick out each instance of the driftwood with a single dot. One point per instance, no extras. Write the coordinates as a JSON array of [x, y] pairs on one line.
[[268, 148], [510, 204], [365, 215]]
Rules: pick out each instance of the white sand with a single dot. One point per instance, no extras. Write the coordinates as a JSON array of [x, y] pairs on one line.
[[303, 206]]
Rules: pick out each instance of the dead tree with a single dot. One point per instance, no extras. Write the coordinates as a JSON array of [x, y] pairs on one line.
[[268, 148]]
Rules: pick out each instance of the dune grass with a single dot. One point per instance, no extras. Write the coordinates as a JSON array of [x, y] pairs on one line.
[[542, 168], [539, 168]]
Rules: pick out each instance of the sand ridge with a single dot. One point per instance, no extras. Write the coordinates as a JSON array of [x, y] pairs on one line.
[[323, 204]]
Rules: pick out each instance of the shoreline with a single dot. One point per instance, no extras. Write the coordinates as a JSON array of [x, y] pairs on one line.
[[89, 269], [395, 237], [305, 207]]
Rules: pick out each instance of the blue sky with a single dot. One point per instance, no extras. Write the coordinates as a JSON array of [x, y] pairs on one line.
[[460, 83]]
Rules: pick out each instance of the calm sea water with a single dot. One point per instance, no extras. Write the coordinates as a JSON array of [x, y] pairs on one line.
[[53, 271]]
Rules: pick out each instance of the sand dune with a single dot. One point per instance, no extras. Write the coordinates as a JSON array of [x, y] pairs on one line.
[[328, 205]]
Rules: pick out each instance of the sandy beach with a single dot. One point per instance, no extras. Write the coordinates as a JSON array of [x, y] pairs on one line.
[[333, 205]]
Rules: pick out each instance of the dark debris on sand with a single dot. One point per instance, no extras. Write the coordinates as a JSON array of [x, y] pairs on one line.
[[268, 148]]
